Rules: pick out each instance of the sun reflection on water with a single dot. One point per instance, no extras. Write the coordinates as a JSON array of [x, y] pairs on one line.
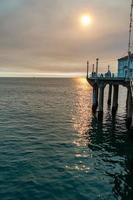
[[82, 111], [78, 167]]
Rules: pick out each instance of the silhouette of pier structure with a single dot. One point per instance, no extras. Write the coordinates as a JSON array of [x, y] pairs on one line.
[[100, 81]]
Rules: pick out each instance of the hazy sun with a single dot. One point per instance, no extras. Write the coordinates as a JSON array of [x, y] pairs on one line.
[[85, 20]]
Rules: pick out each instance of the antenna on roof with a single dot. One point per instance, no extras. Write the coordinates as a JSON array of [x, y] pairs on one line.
[[130, 34], [130, 27]]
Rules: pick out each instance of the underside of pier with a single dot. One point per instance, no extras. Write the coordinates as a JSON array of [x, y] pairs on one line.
[[99, 84]]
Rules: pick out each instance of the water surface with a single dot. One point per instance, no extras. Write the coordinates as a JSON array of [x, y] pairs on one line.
[[52, 147]]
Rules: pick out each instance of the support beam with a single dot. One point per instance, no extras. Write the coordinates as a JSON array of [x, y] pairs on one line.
[[100, 102], [109, 94], [95, 99], [115, 99]]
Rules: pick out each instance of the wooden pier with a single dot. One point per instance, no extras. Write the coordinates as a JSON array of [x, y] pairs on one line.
[[99, 82]]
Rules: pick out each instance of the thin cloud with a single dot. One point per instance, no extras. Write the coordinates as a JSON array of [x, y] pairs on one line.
[[45, 36]]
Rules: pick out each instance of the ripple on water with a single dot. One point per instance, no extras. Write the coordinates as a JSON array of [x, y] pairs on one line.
[[53, 148]]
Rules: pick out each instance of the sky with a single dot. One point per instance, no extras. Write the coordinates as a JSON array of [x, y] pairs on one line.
[[46, 38]]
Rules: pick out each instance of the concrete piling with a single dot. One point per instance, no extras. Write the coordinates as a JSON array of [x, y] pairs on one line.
[[100, 102], [131, 127], [109, 94], [127, 98], [115, 99], [95, 99], [129, 108]]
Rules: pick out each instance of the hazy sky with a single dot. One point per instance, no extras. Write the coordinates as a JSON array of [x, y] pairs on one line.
[[45, 36]]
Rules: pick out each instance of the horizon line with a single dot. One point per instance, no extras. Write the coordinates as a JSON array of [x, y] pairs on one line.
[[42, 75]]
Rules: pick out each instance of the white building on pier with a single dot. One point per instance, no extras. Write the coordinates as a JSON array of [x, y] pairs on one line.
[[123, 66]]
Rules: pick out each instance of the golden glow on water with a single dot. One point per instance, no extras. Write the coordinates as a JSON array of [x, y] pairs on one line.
[[82, 82], [82, 110], [78, 167]]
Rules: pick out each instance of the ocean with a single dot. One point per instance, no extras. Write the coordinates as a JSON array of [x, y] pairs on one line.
[[53, 148]]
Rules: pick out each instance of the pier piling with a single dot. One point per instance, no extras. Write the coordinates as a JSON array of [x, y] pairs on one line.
[[110, 94], [129, 108], [131, 127], [95, 98], [115, 99], [100, 102]]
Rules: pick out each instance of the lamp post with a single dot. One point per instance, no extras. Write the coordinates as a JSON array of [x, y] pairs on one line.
[[87, 68], [97, 60]]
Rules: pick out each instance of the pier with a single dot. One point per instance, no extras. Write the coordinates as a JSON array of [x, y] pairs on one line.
[[123, 78], [99, 82]]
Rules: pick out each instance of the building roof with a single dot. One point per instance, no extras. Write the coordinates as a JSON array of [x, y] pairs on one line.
[[125, 57]]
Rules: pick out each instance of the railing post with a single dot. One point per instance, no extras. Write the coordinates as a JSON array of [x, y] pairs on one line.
[[93, 68]]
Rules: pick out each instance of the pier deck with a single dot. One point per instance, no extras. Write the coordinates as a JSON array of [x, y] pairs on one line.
[[109, 80]]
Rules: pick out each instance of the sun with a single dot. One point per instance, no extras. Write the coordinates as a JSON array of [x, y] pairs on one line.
[[86, 20]]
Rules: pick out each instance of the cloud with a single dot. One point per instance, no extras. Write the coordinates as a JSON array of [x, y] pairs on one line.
[[46, 36]]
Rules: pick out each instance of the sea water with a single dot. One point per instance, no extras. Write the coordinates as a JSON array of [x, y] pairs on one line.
[[53, 148]]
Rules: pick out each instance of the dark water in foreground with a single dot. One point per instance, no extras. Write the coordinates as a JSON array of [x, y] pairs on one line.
[[51, 147]]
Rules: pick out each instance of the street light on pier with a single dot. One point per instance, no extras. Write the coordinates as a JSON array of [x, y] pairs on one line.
[[97, 62]]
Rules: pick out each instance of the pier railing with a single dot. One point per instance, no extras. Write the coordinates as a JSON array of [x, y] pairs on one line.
[[112, 76]]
